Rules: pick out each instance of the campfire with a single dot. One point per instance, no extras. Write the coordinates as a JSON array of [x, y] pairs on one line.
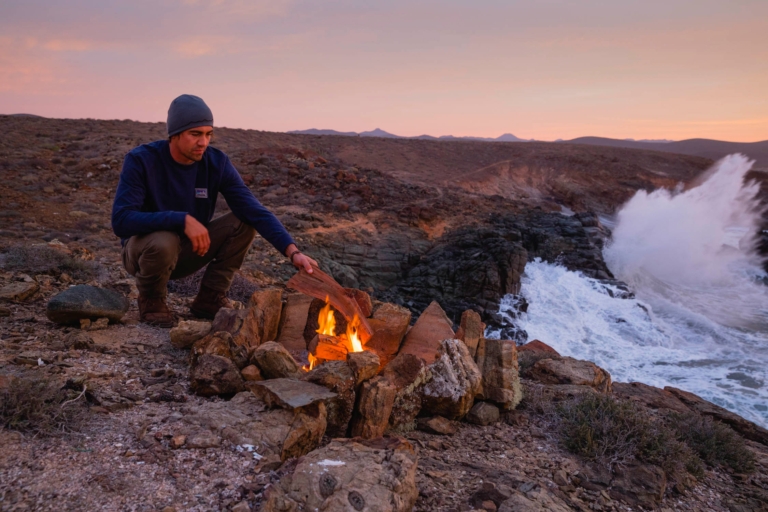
[[327, 345]]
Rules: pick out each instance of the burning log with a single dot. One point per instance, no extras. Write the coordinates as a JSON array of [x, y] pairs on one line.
[[322, 286], [328, 348]]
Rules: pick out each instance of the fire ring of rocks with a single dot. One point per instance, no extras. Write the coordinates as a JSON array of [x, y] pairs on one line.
[[331, 361]]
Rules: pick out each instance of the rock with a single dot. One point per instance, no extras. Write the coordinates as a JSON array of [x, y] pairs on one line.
[[251, 373], [409, 374], [84, 301], [649, 396], [456, 381], [270, 303], [220, 344], [245, 325], [337, 377], [202, 440], [538, 500], [276, 433], [538, 347], [292, 322], [188, 332], [178, 441], [79, 341], [425, 337], [350, 475], [390, 322], [471, 330], [483, 413], [290, 393], [243, 506], [640, 485], [437, 425], [275, 362], [365, 365], [18, 292], [497, 360], [571, 371], [374, 407], [4, 311], [489, 496], [215, 375], [744, 427]]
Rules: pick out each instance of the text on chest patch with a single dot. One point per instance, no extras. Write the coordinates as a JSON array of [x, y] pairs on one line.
[[201, 193]]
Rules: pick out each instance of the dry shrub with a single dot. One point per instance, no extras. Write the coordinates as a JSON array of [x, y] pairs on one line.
[[41, 407], [610, 431], [717, 444], [41, 259]]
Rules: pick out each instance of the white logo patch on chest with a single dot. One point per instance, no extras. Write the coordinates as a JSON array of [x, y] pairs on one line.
[[201, 193]]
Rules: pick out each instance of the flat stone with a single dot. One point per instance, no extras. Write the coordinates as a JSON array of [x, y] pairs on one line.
[[19, 291], [188, 332], [350, 475], [426, 335], [85, 301], [290, 393], [437, 425]]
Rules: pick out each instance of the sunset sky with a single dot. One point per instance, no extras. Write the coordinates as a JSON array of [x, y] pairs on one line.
[[542, 69]]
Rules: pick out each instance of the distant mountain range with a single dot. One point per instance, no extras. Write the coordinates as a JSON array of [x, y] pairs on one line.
[[708, 148], [378, 132]]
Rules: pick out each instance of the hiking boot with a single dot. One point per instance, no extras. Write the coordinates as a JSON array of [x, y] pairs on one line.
[[208, 302], [154, 311]]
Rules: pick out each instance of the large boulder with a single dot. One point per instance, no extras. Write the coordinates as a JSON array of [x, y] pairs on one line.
[[350, 475], [649, 396], [377, 396], [390, 322], [568, 370], [497, 360], [408, 374], [275, 361], [270, 303], [426, 335], [84, 301], [456, 381], [337, 377]]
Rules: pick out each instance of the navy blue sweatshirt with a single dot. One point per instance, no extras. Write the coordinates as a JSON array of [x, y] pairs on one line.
[[156, 193]]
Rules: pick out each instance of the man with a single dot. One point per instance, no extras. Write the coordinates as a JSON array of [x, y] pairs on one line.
[[163, 212]]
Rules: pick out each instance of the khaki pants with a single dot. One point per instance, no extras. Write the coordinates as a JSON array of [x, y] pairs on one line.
[[157, 257]]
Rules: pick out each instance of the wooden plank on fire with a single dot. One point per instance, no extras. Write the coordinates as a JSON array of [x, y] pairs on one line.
[[320, 285], [328, 348]]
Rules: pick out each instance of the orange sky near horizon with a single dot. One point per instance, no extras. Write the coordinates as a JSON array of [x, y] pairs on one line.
[[543, 69]]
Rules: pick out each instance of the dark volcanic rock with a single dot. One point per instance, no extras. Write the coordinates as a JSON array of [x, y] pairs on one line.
[[84, 301]]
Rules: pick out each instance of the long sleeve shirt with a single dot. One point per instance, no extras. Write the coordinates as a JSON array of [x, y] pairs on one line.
[[155, 193]]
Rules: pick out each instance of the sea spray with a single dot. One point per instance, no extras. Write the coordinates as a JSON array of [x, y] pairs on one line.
[[700, 318]]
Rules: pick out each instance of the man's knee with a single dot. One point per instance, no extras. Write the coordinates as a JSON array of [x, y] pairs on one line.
[[157, 252]]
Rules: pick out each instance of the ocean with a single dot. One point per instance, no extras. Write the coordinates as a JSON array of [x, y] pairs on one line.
[[699, 319]]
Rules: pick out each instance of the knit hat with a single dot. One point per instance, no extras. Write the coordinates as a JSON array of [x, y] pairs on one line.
[[188, 112]]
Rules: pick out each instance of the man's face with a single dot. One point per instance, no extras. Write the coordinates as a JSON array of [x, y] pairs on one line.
[[188, 146]]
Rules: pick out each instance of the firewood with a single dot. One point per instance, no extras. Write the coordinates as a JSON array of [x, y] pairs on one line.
[[320, 285], [328, 348]]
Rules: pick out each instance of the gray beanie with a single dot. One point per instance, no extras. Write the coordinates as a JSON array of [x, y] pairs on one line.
[[188, 112]]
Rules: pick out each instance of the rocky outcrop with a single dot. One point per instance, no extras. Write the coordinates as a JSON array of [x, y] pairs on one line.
[[86, 302], [456, 381], [350, 475], [567, 370]]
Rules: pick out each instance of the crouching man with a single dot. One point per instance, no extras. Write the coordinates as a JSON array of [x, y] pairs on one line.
[[163, 212]]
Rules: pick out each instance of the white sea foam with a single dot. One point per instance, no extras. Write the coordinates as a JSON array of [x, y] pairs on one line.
[[700, 320]]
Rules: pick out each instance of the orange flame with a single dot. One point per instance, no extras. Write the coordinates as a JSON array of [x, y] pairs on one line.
[[352, 337], [326, 320], [312, 362]]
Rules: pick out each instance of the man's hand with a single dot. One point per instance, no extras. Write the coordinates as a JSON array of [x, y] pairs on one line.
[[300, 260], [198, 235]]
